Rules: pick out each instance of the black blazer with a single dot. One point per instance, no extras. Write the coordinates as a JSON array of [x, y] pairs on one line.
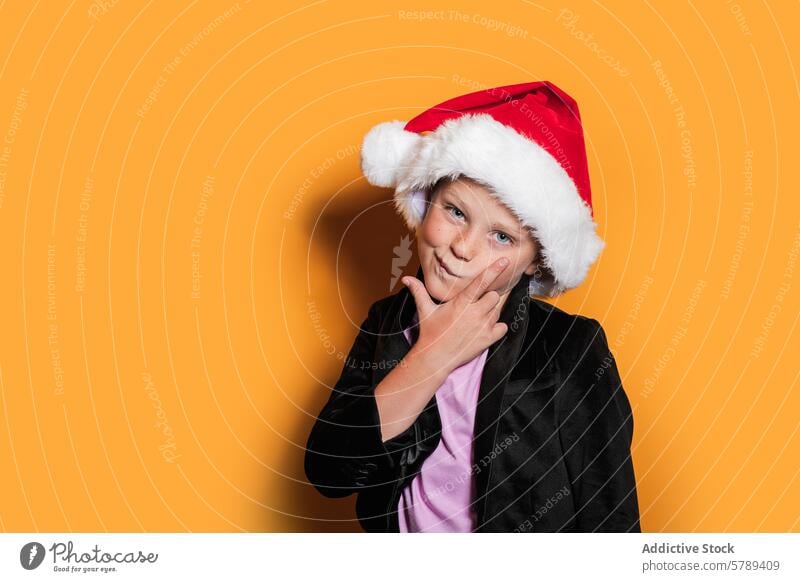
[[553, 426]]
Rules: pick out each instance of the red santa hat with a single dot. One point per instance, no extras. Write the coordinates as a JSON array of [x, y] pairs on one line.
[[525, 142]]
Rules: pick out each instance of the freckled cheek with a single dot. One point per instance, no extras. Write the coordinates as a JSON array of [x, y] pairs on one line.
[[435, 234]]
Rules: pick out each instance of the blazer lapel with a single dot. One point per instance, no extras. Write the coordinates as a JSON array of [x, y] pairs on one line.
[[500, 361]]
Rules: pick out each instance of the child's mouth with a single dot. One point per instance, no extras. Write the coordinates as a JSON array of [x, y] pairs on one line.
[[443, 270]]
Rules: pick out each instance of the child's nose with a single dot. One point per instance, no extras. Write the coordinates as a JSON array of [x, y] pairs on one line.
[[464, 246]]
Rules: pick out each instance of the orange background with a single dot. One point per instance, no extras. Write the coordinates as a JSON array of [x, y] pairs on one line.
[[188, 245]]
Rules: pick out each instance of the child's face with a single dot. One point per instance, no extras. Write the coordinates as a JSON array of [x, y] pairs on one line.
[[467, 229]]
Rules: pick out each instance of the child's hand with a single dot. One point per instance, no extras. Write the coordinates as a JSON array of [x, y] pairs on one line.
[[454, 332]]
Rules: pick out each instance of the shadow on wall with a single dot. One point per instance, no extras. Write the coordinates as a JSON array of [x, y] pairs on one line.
[[364, 239]]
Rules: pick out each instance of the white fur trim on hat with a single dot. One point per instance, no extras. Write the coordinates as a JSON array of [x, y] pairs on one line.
[[522, 174]]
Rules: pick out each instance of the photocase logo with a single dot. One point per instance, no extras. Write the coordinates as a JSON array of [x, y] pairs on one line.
[[402, 254], [31, 555]]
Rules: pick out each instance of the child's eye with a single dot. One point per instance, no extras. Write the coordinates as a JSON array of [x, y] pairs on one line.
[[456, 212], [507, 241], [452, 209]]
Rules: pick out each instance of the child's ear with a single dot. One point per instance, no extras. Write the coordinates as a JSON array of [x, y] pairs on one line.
[[535, 263], [531, 269]]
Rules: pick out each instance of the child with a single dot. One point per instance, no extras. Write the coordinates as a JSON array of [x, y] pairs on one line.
[[467, 405]]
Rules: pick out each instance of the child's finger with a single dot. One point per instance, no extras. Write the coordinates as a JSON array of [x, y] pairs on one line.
[[499, 306], [479, 284], [488, 302], [495, 311], [420, 294], [499, 330]]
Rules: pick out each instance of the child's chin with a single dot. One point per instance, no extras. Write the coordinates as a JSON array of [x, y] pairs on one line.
[[439, 294]]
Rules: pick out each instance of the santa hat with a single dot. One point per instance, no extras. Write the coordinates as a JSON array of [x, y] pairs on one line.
[[525, 142]]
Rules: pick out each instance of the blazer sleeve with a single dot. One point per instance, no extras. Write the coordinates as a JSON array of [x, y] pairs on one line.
[[596, 430], [345, 451]]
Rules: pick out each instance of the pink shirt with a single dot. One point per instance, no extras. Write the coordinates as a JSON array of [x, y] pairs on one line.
[[439, 498]]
